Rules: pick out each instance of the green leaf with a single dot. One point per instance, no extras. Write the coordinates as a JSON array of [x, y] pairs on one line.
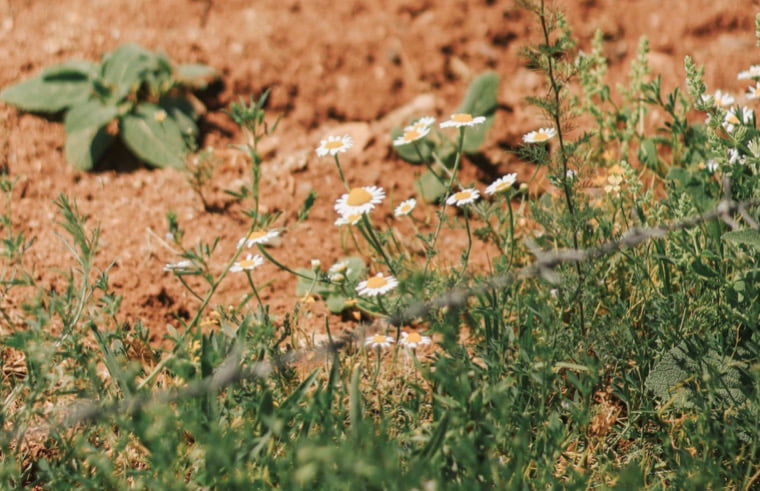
[[124, 69], [672, 378], [430, 187], [336, 303], [55, 89], [480, 100], [305, 286], [183, 112], [747, 237], [308, 203], [86, 135], [196, 75], [154, 136]]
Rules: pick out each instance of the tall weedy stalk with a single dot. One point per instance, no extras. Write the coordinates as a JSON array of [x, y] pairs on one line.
[[549, 56]]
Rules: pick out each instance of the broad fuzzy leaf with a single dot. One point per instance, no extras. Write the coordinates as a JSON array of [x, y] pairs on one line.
[[196, 75], [183, 112], [430, 187], [154, 135], [480, 100], [55, 89], [86, 136], [124, 69]]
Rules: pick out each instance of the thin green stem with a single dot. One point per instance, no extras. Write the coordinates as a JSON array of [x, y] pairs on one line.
[[466, 256], [369, 234], [563, 154], [340, 172], [280, 265], [457, 159]]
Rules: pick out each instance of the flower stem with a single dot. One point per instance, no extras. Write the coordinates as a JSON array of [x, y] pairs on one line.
[[340, 172], [457, 159]]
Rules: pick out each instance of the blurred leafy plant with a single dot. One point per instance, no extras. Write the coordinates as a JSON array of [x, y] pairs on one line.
[[148, 97]]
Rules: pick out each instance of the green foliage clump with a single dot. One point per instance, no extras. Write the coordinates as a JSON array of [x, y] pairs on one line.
[[143, 92]]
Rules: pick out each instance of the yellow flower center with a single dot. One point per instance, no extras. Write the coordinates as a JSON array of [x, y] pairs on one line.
[[353, 218], [502, 186], [406, 208], [413, 338], [333, 144], [732, 118], [247, 263], [461, 118], [462, 195], [411, 135], [160, 115], [540, 136], [358, 197], [257, 234], [376, 282]]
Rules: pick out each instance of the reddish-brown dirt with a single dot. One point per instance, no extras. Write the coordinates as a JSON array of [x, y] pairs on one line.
[[333, 67]]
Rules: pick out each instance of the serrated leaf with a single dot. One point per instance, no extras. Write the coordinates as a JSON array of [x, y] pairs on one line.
[[670, 378], [154, 136], [430, 187], [56, 88], [86, 135], [747, 237], [196, 75], [480, 100]]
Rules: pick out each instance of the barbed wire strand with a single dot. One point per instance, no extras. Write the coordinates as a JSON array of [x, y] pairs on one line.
[[232, 371]]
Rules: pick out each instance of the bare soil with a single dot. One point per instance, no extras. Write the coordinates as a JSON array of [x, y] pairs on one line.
[[333, 67]]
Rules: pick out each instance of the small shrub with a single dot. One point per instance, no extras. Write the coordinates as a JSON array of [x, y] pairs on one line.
[[143, 91]]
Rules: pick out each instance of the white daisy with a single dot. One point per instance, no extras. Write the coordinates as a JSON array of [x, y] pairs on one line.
[[502, 184], [376, 285], [753, 72], [181, 265], [258, 236], [459, 120], [250, 263], [378, 341], [339, 267], [463, 197], [410, 135], [424, 123], [753, 92], [711, 166], [570, 174], [540, 135], [411, 340], [316, 264], [720, 98], [334, 145], [735, 158], [336, 277], [359, 200], [736, 116], [405, 207], [348, 219]]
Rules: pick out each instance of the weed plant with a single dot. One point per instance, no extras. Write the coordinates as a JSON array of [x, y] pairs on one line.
[[613, 341]]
